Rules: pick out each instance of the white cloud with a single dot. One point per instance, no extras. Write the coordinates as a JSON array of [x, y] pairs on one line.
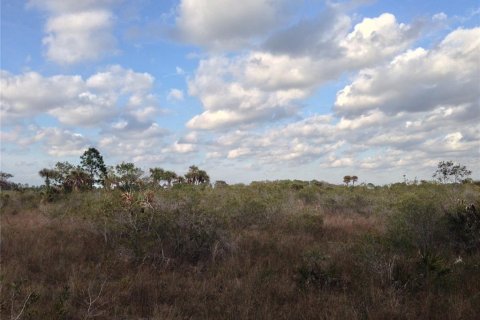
[[119, 79], [239, 152], [75, 101], [375, 39], [30, 93], [175, 95], [419, 79], [181, 148], [260, 86], [77, 31], [226, 24], [61, 143]]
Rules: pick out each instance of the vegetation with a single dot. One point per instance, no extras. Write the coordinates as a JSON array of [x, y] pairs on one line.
[[448, 171], [172, 247]]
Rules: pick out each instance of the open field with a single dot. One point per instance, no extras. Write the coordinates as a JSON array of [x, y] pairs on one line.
[[274, 250]]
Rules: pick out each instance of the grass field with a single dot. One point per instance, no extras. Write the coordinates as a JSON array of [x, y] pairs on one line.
[[273, 250]]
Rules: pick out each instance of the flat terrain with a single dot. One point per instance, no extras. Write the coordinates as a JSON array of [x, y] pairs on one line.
[[274, 250]]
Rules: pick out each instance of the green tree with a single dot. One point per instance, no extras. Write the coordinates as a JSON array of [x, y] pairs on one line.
[[62, 171], [4, 183], [92, 163], [47, 174], [159, 175], [77, 180], [448, 171], [128, 176], [196, 176]]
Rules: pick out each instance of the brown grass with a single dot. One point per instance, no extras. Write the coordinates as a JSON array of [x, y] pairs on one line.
[[291, 267]]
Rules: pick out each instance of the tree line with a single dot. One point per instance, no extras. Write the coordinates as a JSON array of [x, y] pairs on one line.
[[93, 173]]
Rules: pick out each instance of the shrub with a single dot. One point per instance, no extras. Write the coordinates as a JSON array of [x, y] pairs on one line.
[[307, 220], [418, 223], [315, 271], [464, 226]]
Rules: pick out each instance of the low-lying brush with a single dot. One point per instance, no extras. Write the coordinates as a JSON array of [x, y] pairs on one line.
[[279, 250]]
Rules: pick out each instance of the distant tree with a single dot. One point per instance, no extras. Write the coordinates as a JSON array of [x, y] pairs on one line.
[[77, 180], [48, 175], [157, 175], [179, 180], [354, 179], [196, 176], [448, 171], [170, 177], [92, 163], [128, 176], [62, 170], [111, 180], [4, 183], [347, 180]]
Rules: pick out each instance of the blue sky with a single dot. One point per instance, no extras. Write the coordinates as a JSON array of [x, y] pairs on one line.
[[249, 90]]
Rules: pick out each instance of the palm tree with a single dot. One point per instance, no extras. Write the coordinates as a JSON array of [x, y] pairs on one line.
[[157, 175], [347, 180], [354, 179], [192, 174], [196, 176], [170, 176], [47, 174], [78, 179]]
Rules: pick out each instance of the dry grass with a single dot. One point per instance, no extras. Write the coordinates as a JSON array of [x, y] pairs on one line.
[[299, 261]]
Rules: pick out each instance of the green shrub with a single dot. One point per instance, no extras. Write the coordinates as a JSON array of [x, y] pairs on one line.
[[418, 223], [464, 226], [308, 220], [315, 271]]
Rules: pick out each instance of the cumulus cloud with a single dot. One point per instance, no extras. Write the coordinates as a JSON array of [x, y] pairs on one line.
[[231, 95], [226, 24], [117, 102], [61, 143], [419, 79], [76, 101], [77, 31], [264, 86], [414, 111]]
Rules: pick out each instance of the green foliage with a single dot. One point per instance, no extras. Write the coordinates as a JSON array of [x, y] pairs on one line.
[[316, 271], [196, 176], [418, 224], [126, 176], [159, 175], [307, 221], [5, 184], [464, 225], [92, 163]]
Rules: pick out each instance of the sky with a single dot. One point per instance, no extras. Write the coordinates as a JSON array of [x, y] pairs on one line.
[[246, 90]]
